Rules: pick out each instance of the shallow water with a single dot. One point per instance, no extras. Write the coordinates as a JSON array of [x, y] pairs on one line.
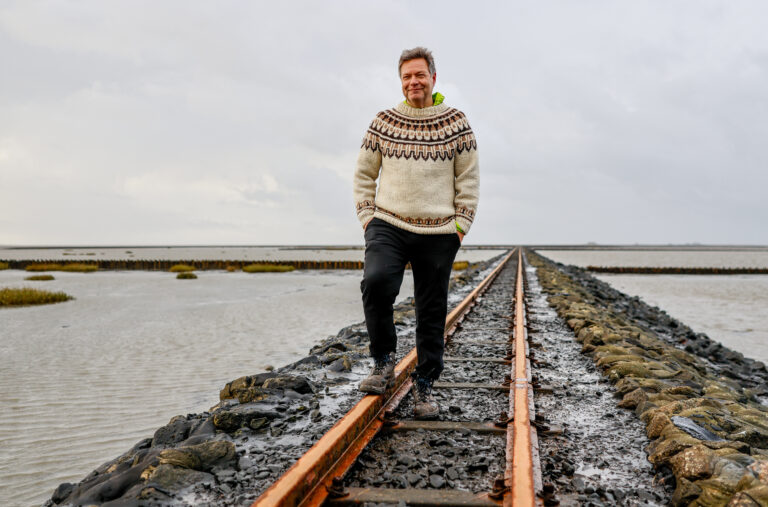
[[660, 258], [82, 381], [727, 308]]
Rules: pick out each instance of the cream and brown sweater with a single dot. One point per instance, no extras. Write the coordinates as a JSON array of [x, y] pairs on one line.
[[427, 166]]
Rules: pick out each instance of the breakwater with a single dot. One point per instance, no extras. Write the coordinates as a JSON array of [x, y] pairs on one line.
[[705, 407], [202, 265], [651, 270]]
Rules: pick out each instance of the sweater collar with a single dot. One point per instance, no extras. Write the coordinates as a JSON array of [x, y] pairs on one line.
[[437, 107]]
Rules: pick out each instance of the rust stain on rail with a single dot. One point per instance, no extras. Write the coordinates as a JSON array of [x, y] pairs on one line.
[[309, 480], [519, 472]]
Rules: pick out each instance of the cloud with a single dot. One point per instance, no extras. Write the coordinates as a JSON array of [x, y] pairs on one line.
[[189, 122]]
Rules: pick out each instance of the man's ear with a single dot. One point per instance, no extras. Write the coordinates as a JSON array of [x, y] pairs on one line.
[[434, 78]]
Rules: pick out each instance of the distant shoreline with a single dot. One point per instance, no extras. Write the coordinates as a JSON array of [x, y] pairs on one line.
[[665, 247]]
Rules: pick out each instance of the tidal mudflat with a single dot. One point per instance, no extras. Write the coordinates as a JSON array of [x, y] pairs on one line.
[[82, 381], [728, 308], [660, 258]]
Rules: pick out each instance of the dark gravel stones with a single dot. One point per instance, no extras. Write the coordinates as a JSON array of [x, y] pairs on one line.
[[598, 448], [436, 481], [431, 467]]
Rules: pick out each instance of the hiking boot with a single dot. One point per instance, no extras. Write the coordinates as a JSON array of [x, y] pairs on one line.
[[381, 377], [424, 405]]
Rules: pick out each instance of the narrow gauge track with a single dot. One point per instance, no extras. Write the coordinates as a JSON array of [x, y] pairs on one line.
[[375, 437]]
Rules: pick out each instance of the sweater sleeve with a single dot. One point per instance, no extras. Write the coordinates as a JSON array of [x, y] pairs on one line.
[[366, 172], [467, 181]]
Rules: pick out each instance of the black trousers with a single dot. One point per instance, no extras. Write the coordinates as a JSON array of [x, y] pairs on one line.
[[387, 250]]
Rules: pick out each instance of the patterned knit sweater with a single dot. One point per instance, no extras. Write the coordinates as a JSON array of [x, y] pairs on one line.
[[427, 166]]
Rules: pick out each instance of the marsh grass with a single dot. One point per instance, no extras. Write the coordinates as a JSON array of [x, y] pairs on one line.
[[3, 265], [27, 296], [231, 269], [186, 275], [77, 267], [40, 278], [267, 268], [181, 268], [460, 265]]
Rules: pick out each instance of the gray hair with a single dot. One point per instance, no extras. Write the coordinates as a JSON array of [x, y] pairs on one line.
[[413, 54]]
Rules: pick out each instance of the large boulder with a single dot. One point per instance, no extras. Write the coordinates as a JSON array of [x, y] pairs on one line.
[[251, 415], [201, 457]]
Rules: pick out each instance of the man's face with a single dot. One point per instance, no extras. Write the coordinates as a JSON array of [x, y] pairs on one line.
[[417, 82]]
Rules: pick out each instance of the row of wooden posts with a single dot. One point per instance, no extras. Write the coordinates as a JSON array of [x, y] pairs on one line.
[[647, 270], [202, 265]]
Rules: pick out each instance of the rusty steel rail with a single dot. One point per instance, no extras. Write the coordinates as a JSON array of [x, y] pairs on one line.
[[522, 476], [318, 472]]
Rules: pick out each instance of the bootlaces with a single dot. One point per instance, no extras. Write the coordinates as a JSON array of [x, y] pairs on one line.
[[424, 387]]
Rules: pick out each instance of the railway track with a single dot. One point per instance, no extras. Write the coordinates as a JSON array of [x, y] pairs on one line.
[[482, 451]]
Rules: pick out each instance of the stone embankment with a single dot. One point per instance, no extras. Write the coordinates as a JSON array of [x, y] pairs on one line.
[[705, 407], [263, 423]]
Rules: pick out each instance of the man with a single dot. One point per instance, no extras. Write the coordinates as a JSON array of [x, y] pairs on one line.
[[424, 155]]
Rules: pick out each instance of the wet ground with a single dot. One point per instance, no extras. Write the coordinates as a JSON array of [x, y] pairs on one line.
[[595, 456]]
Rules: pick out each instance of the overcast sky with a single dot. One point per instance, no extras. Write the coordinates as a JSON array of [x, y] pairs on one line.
[[180, 122]]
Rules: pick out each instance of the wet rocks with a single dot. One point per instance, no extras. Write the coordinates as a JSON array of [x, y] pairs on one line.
[[591, 452], [701, 402], [62, 492], [204, 456], [294, 383], [436, 481], [171, 477], [409, 460], [248, 415], [340, 364], [175, 431]]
